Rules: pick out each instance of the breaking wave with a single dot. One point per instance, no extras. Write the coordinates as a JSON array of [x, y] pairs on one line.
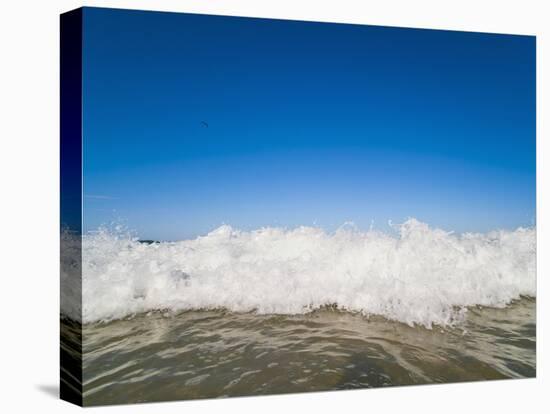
[[419, 275]]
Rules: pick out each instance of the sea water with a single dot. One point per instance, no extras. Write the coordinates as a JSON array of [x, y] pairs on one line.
[[208, 354], [288, 310]]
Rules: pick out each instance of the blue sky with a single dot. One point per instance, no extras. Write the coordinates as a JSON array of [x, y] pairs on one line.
[[308, 123]]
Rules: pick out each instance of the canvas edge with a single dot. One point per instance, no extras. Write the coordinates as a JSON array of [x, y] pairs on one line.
[[70, 30]]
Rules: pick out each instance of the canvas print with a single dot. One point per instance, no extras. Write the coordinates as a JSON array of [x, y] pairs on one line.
[[258, 206]]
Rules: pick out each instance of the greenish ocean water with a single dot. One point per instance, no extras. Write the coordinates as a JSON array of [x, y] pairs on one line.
[[209, 354]]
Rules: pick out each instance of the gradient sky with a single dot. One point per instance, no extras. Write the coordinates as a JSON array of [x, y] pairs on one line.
[[308, 124]]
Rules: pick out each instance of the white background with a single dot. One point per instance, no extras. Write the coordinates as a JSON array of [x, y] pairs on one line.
[[29, 194]]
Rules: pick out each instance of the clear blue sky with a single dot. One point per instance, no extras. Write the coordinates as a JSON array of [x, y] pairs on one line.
[[308, 123]]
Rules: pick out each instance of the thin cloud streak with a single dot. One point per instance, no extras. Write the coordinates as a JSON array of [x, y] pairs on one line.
[[99, 197]]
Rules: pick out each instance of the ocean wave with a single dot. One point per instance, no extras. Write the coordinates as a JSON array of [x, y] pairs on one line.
[[419, 275]]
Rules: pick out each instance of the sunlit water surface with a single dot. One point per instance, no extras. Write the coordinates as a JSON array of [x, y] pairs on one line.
[[205, 354]]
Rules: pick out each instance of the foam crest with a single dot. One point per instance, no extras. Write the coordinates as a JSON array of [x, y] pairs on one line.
[[420, 275]]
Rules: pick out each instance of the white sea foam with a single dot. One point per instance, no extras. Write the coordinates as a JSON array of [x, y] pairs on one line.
[[420, 275]]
